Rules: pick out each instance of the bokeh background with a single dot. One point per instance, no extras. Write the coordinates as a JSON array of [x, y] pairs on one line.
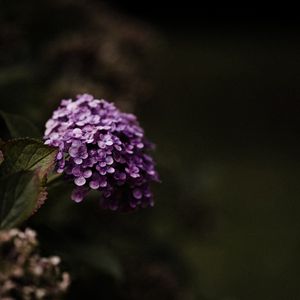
[[220, 97]]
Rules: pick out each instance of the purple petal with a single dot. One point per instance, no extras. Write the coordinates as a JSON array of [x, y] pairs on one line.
[[80, 181]]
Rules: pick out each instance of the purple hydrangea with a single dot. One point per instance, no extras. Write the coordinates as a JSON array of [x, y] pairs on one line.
[[104, 149]]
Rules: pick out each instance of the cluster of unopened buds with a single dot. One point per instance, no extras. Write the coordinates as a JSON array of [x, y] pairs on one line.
[[104, 149], [24, 274]]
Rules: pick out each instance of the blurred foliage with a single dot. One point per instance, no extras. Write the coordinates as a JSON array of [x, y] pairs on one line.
[[224, 113], [55, 49], [14, 126]]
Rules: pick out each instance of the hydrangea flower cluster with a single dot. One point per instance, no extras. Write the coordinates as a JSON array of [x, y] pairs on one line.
[[102, 148]]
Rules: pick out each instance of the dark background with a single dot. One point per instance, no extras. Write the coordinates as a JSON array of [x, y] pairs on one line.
[[219, 95]]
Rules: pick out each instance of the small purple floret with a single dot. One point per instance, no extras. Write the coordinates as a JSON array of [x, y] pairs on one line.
[[101, 148]]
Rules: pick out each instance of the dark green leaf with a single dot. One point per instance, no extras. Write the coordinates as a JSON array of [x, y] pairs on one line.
[[27, 154], [26, 162], [19, 197], [18, 126]]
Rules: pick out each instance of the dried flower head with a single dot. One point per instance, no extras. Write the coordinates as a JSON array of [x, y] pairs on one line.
[[1, 157], [101, 148], [24, 274]]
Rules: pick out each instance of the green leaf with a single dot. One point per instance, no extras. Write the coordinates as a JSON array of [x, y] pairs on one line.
[[18, 126], [22, 177], [27, 154], [19, 197]]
